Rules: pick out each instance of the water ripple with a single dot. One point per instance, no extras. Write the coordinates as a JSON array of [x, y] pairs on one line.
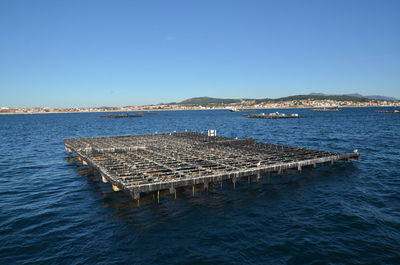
[[54, 212]]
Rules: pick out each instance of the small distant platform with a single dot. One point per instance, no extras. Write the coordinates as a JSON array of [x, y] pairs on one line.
[[242, 110], [327, 109], [146, 163], [274, 115], [136, 115], [389, 111]]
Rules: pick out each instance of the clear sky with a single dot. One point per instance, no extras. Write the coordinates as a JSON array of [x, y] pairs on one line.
[[118, 53]]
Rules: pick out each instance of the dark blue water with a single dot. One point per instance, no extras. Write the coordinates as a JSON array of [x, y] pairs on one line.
[[54, 212]]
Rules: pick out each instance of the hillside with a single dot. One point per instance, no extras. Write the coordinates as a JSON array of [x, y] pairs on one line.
[[313, 96], [372, 97], [208, 100], [324, 97], [214, 101]]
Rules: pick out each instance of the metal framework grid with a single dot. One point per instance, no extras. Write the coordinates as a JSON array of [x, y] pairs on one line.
[[145, 163]]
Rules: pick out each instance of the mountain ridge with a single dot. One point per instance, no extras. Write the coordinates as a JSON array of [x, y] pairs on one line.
[[316, 96], [376, 97]]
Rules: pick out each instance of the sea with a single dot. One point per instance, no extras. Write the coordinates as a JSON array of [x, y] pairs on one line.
[[54, 211]]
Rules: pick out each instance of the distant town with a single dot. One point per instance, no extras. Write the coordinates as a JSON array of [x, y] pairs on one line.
[[207, 103]]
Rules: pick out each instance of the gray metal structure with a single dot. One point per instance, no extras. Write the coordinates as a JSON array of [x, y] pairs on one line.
[[146, 163]]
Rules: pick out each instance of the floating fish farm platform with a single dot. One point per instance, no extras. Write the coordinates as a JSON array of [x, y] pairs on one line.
[[389, 111], [275, 115], [122, 115], [151, 163], [327, 109]]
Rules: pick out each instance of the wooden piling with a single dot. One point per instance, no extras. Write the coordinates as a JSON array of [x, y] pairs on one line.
[[115, 187], [103, 179]]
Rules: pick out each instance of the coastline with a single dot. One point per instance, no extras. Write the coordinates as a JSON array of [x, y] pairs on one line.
[[156, 110]]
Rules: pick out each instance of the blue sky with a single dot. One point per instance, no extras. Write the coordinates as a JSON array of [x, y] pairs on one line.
[[118, 53]]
